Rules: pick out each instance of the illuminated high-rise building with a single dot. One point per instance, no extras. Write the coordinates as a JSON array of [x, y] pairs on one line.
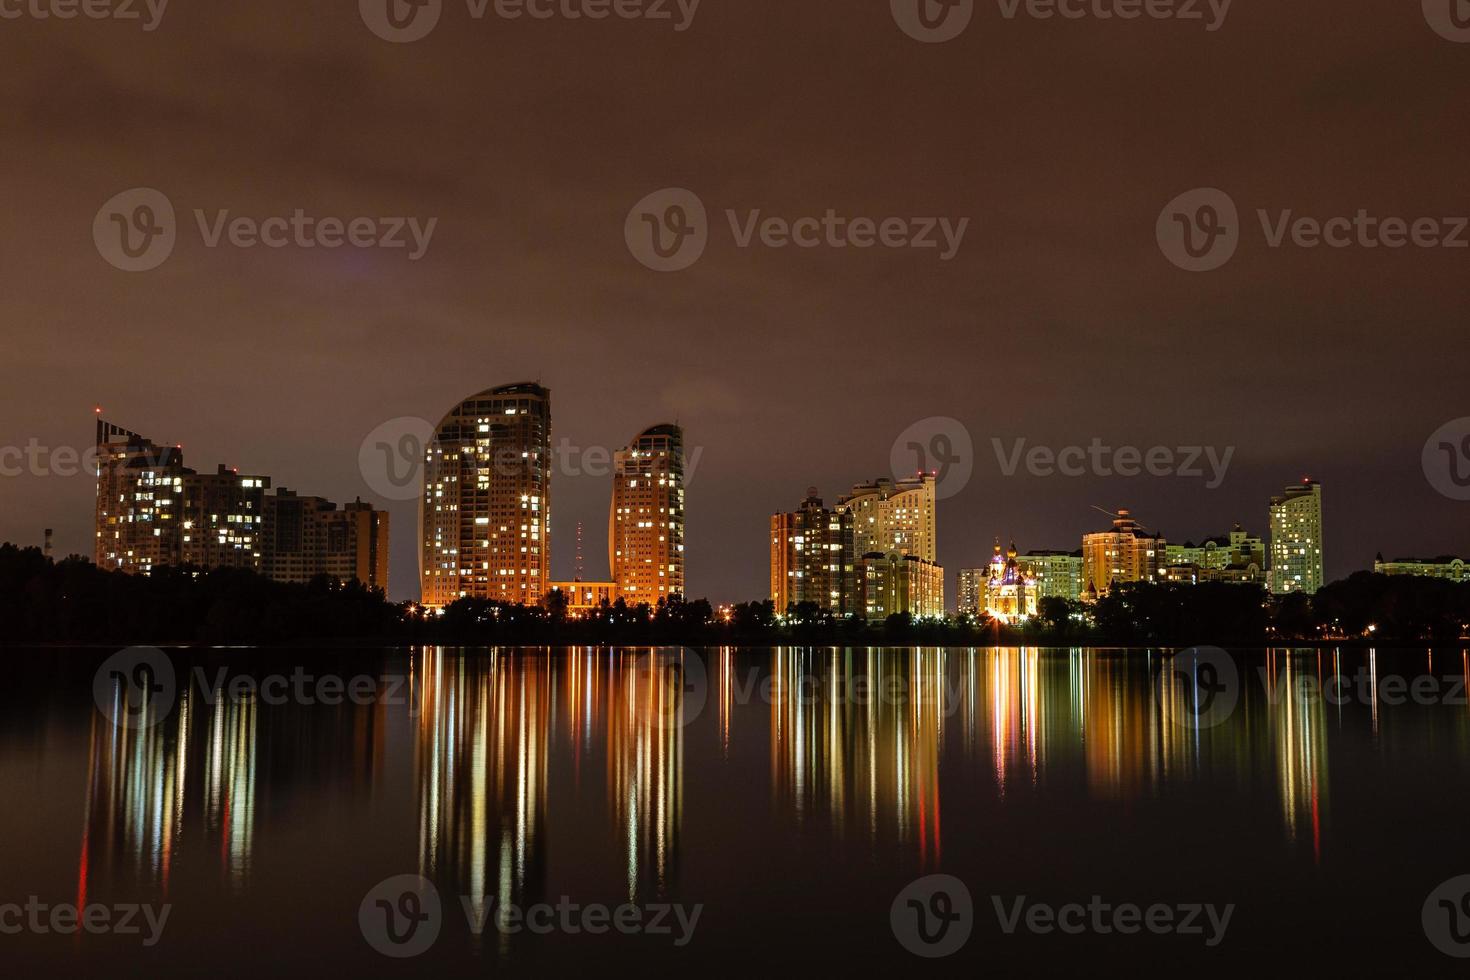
[[894, 518], [1127, 553], [1296, 539], [1058, 574], [140, 501], [153, 511], [645, 524], [485, 515], [972, 591], [812, 558]]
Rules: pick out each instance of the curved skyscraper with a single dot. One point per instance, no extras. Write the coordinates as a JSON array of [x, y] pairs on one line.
[[645, 525], [485, 516]]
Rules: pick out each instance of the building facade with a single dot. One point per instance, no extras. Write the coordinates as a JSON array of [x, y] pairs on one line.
[[812, 558], [1296, 539], [310, 536], [971, 595], [1448, 567], [890, 584], [485, 514], [1126, 553], [645, 525], [1058, 574], [585, 598], [894, 518], [1238, 557], [1010, 592], [153, 511]]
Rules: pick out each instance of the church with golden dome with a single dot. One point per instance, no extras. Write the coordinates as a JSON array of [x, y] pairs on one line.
[[1010, 592]]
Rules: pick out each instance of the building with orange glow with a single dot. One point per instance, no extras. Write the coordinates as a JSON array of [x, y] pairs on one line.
[[812, 558], [153, 511], [485, 514], [1127, 553], [894, 518], [645, 522]]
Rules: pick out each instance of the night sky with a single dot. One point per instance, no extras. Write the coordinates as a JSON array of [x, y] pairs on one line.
[[1059, 321]]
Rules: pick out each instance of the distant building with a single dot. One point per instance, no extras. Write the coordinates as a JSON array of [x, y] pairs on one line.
[[485, 516], [153, 511], [1238, 557], [896, 521], [1127, 553], [308, 536], [1447, 567], [645, 527], [972, 591], [812, 558], [1058, 574], [1010, 593], [1296, 539], [585, 598], [890, 584], [894, 518]]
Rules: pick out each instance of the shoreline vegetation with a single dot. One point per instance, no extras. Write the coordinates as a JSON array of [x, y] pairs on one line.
[[74, 603]]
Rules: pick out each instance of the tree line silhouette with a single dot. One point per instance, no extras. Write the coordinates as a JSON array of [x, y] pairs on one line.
[[72, 601]]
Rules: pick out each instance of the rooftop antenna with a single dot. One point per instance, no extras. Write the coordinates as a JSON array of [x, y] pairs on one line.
[[578, 577]]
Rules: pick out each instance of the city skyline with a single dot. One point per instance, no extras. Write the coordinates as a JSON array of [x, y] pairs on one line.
[[912, 524]]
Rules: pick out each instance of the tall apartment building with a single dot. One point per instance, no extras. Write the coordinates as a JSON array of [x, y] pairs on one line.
[[645, 525], [310, 536], [1126, 553], [140, 501], [153, 511], [485, 514], [1296, 539], [894, 518], [971, 597], [890, 583], [1058, 574], [812, 558]]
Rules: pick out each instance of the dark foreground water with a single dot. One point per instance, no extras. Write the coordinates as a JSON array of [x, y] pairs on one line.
[[442, 813]]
